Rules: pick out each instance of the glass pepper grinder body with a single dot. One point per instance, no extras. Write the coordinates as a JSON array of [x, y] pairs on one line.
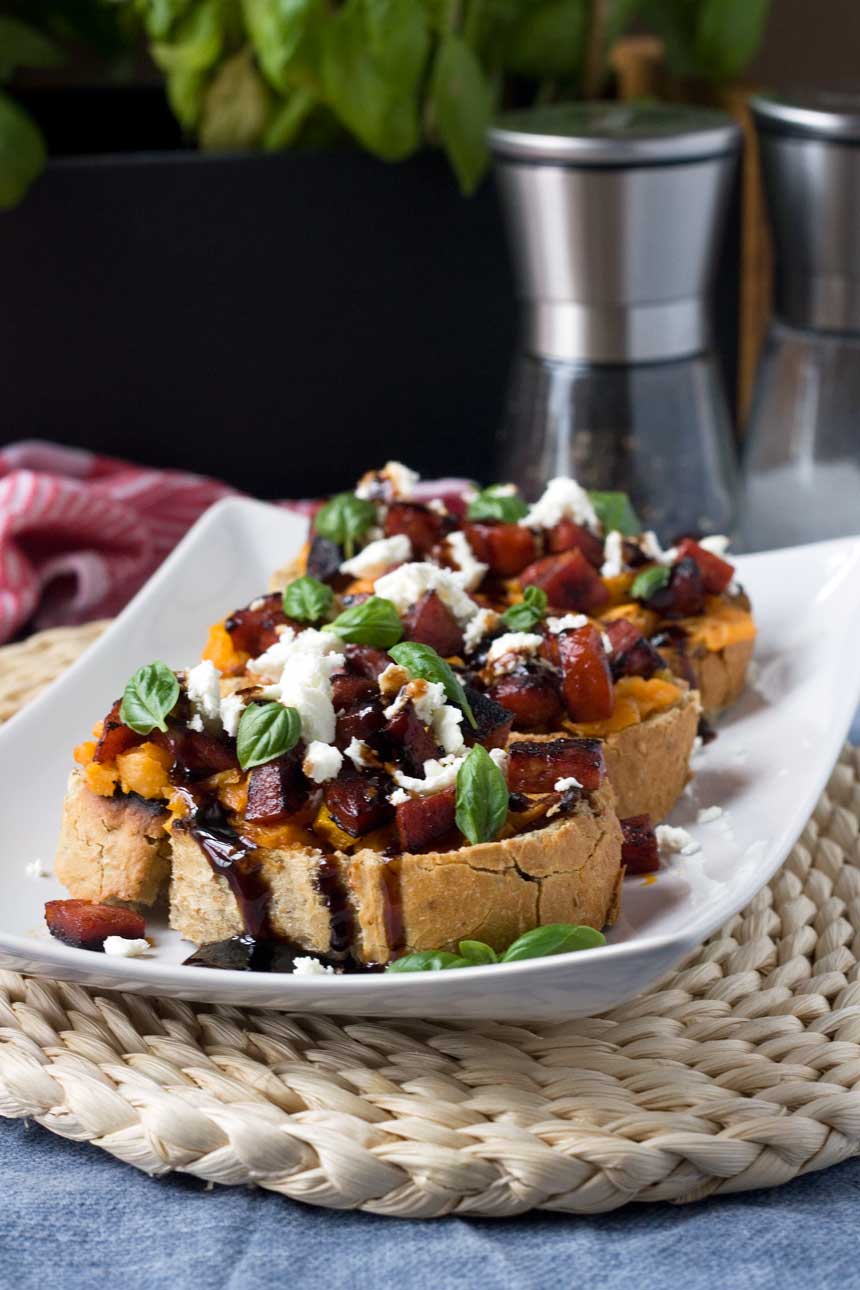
[[614, 214], [801, 476]]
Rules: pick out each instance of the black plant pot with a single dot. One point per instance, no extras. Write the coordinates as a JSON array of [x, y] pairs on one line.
[[279, 321]]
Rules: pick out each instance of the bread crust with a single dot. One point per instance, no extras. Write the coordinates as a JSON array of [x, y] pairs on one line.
[[113, 850], [719, 675], [568, 871]]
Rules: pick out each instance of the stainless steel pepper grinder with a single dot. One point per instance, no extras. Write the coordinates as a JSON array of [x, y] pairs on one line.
[[614, 212]]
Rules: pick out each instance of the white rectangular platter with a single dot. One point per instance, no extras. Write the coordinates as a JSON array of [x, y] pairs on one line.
[[768, 766]]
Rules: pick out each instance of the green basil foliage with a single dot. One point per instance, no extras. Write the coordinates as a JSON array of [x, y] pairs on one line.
[[482, 797], [528, 612], [650, 580], [344, 519], [494, 504], [540, 942], [373, 622], [616, 513], [149, 698], [307, 600], [266, 731], [423, 661]]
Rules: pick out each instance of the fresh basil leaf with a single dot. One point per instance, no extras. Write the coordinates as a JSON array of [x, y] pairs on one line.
[[344, 518], [462, 99], [423, 661], [149, 698], [491, 504], [22, 152], [236, 106], [615, 512], [482, 797], [307, 600], [477, 952], [650, 580], [196, 41], [266, 731], [527, 612], [373, 622], [24, 46], [278, 33], [547, 40], [553, 938], [427, 961]]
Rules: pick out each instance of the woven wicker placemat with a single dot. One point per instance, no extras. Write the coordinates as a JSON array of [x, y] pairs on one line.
[[740, 1070]]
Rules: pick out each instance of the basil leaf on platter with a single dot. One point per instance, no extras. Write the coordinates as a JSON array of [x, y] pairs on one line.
[[344, 519], [427, 961], [650, 580], [477, 953], [307, 600], [374, 622], [149, 698], [527, 612], [482, 797], [493, 504], [266, 731], [423, 661], [553, 938]]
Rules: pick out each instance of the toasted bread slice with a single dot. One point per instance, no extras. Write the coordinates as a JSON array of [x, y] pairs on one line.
[[112, 849], [719, 675], [567, 871]]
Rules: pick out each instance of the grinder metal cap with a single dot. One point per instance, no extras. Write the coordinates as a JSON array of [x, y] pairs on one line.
[[810, 153], [613, 211]]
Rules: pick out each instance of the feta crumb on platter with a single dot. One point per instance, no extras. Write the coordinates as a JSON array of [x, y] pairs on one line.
[[373, 559], [676, 841], [37, 869], [562, 499], [307, 965], [122, 947], [708, 814]]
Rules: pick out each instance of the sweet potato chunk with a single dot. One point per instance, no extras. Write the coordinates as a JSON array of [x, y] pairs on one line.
[[253, 630], [277, 789], [494, 720], [423, 820], [716, 573], [358, 802], [86, 926], [531, 695], [116, 738], [639, 850], [632, 654], [431, 622], [568, 536], [586, 678], [536, 764], [423, 527], [324, 559], [569, 582], [506, 548]]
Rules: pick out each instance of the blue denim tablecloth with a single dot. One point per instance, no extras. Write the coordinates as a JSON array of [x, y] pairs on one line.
[[73, 1217]]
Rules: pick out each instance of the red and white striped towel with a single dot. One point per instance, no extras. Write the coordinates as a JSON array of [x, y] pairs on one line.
[[80, 533]]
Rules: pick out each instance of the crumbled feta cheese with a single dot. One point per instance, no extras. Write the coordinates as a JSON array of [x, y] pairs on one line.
[[196, 723], [440, 774], [675, 840], [400, 479], [562, 785], [322, 762], [717, 544], [445, 725], [698, 744], [203, 687], [361, 754], [124, 948], [307, 965], [607, 643], [708, 814], [300, 667], [428, 700], [232, 707], [405, 586], [258, 603], [484, 622], [563, 499], [507, 651], [37, 869], [398, 797], [436, 504], [373, 559], [613, 555], [461, 554], [569, 623], [649, 545], [392, 680]]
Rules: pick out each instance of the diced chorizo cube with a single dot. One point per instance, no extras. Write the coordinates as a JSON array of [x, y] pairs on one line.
[[639, 850], [252, 629], [86, 926], [716, 573], [568, 536], [277, 789], [421, 525], [431, 622], [350, 691], [632, 654], [586, 678], [365, 660], [569, 581], [683, 595], [116, 738], [412, 739], [424, 820], [506, 548], [494, 721], [535, 765], [358, 802], [324, 559], [531, 694], [362, 721], [196, 754]]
